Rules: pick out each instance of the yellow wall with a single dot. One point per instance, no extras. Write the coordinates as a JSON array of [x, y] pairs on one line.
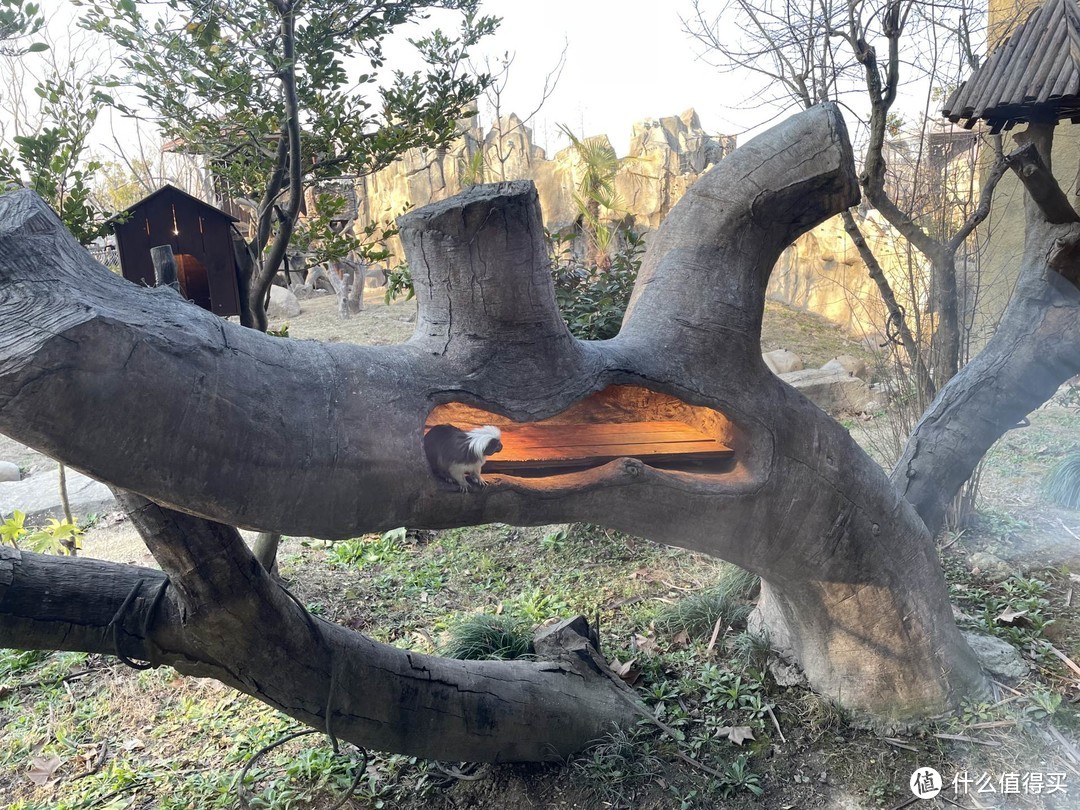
[[1001, 260]]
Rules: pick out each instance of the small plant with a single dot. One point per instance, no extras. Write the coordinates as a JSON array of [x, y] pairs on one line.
[[752, 648], [1025, 587], [56, 537], [881, 792], [484, 636], [360, 552], [972, 711], [1044, 703], [1062, 484], [555, 540], [618, 765], [282, 331], [754, 706], [738, 777], [399, 283], [538, 605]]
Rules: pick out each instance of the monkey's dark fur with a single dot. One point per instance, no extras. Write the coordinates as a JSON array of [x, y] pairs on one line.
[[457, 456]]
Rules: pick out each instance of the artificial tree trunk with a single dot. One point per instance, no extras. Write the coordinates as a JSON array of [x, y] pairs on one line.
[[327, 440]]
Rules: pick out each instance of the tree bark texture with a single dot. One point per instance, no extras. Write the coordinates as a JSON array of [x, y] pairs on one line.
[[327, 440]]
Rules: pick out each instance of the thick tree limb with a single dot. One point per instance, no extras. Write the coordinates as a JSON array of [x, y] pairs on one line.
[[1042, 187], [375, 695]]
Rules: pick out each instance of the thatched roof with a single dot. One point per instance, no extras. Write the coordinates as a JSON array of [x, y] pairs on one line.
[[1033, 76]]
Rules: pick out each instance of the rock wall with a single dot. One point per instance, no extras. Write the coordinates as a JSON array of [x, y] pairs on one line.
[[667, 156], [821, 272]]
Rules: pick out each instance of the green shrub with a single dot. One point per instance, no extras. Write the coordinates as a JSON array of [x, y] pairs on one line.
[[593, 299], [698, 613]]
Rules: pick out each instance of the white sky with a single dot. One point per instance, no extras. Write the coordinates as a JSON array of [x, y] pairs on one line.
[[626, 60]]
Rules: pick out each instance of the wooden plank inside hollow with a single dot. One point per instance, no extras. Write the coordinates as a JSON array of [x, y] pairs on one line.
[[579, 445]]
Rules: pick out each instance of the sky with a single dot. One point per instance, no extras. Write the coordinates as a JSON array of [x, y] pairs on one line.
[[626, 60]]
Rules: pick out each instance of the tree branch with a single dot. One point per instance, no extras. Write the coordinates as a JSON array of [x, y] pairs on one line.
[[234, 412], [896, 312], [1042, 186]]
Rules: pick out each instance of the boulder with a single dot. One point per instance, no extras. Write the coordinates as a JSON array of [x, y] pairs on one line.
[[781, 361], [997, 656], [283, 303], [39, 496], [302, 291], [832, 391], [9, 472], [845, 362]]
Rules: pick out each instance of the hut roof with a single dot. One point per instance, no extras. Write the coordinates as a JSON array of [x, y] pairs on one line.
[[170, 190], [1034, 75]]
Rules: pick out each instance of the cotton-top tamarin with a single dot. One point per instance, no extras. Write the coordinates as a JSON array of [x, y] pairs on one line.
[[457, 455]]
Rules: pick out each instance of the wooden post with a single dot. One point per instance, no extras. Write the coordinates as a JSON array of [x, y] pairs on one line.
[[164, 267]]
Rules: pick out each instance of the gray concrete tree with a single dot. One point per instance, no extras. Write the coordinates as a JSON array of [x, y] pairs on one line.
[[212, 424]]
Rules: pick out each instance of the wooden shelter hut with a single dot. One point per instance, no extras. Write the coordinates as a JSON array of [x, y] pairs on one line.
[[200, 236], [1032, 77]]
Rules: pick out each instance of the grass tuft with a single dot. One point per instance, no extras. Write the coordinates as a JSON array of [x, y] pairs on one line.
[[484, 636], [1062, 483], [725, 601]]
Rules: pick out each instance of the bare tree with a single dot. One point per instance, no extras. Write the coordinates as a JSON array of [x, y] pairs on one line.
[[814, 53], [509, 132]]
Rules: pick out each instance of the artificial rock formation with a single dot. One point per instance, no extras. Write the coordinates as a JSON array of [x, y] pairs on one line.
[[821, 272], [667, 155]]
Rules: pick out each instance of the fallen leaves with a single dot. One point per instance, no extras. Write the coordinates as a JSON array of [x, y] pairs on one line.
[[628, 671], [736, 734], [42, 770]]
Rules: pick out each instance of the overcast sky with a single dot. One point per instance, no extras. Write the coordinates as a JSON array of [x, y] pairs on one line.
[[626, 60]]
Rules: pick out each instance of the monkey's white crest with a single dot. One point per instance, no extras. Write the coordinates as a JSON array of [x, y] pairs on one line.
[[481, 437]]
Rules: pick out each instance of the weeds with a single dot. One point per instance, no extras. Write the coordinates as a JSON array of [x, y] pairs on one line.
[[619, 765]]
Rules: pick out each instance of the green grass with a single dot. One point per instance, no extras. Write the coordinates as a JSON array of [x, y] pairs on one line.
[[484, 636], [176, 742]]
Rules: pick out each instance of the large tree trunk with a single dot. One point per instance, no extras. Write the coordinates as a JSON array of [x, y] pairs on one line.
[[327, 440]]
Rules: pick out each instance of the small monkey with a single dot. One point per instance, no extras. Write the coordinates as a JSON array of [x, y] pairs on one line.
[[456, 455]]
